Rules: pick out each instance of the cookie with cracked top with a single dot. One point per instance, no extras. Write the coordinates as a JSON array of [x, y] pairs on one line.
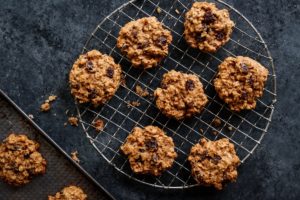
[[69, 193]]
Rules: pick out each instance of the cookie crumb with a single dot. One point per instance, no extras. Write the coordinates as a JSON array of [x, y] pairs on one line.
[[30, 116], [65, 124], [177, 11], [73, 121], [216, 122], [133, 104], [201, 130], [158, 10], [98, 124], [45, 107], [140, 91], [230, 128], [215, 132], [52, 98], [74, 156], [67, 111]]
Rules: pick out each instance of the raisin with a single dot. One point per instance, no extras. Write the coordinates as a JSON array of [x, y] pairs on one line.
[[134, 33], [151, 144], [209, 17], [89, 66], [244, 95], [76, 86], [26, 156], [199, 38], [220, 35], [251, 81], [215, 159], [244, 68], [92, 94], [163, 86], [110, 72], [189, 85], [203, 156], [162, 41]]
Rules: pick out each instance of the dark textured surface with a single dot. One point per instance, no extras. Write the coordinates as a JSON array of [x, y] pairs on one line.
[[39, 41], [59, 173]]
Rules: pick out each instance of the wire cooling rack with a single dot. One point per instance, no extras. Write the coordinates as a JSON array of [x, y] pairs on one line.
[[245, 129]]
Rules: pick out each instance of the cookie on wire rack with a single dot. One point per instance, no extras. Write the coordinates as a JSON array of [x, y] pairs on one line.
[[214, 162], [206, 27], [144, 42], [149, 150], [180, 96], [20, 160], [240, 82], [94, 78]]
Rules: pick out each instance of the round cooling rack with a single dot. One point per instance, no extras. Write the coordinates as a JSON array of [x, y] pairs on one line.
[[245, 129]]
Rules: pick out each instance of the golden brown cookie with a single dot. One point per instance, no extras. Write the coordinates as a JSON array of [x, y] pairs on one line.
[[150, 150], [206, 27], [95, 78], [20, 160], [181, 95], [240, 82], [69, 193], [144, 42], [214, 162]]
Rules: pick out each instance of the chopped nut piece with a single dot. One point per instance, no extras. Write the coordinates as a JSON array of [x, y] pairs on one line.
[[158, 10], [99, 124], [73, 121], [230, 128], [216, 122], [30, 116], [45, 107], [177, 11], [74, 156], [201, 130], [141, 92], [52, 98], [215, 132]]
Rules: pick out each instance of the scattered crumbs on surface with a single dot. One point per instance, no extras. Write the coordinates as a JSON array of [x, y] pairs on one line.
[[74, 156], [216, 122], [52, 98], [98, 124], [45, 107], [123, 81], [215, 132], [158, 10], [31, 116], [133, 104], [73, 121], [201, 130], [140, 91], [65, 124], [177, 11], [230, 128]]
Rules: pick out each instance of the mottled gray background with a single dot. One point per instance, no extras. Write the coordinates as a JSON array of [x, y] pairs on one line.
[[39, 41]]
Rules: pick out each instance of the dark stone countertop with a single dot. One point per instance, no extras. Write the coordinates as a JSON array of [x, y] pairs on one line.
[[39, 41]]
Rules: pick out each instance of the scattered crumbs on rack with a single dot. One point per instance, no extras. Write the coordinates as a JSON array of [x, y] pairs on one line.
[[45, 107], [123, 80], [140, 91], [98, 124], [216, 122], [201, 130], [133, 104], [158, 10], [31, 116], [177, 11], [230, 128], [74, 156], [215, 132], [73, 121]]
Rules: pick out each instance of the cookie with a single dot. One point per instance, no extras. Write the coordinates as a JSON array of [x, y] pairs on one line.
[[214, 162], [20, 160], [144, 42], [94, 78], [240, 82], [149, 150], [69, 193], [180, 95], [206, 27]]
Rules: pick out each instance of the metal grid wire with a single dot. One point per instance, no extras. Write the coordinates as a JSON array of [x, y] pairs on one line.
[[247, 128]]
